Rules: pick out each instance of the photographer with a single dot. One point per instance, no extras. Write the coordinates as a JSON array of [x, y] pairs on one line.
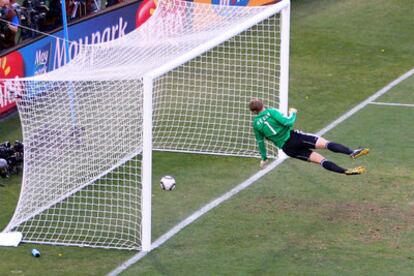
[[53, 16], [4, 168], [11, 158], [37, 15], [8, 29]]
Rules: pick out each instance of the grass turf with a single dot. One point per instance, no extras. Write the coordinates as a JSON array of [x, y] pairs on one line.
[[299, 219]]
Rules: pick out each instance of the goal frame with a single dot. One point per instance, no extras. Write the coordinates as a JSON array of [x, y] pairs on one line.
[[148, 80], [282, 7]]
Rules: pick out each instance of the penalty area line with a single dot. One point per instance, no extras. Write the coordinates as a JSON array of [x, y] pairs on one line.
[[216, 202], [393, 104], [369, 100]]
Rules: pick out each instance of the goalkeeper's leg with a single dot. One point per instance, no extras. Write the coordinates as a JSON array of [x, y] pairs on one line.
[[300, 146], [331, 166], [322, 143]]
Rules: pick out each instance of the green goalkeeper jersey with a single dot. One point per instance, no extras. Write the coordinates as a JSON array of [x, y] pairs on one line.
[[272, 125]]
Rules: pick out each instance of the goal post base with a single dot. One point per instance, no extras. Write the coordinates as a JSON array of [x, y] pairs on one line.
[[10, 238]]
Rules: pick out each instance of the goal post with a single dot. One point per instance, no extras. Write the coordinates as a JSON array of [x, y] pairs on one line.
[[180, 83], [284, 59], [147, 163]]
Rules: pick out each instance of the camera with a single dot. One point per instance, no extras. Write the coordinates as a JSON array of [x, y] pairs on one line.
[[11, 158], [32, 14], [4, 168], [4, 28]]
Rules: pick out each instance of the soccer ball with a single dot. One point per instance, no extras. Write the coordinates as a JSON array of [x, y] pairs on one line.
[[167, 183]]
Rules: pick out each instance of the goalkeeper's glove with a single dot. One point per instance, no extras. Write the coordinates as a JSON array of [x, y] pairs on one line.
[[293, 110], [263, 163]]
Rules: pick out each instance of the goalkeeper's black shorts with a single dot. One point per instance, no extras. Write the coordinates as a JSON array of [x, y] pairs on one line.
[[300, 145]]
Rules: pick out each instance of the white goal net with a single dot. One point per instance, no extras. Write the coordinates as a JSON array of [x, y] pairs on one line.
[[181, 82]]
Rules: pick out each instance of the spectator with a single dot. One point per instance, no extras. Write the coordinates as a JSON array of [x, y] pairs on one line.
[[110, 3], [53, 17], [80, 8], [8, 29]]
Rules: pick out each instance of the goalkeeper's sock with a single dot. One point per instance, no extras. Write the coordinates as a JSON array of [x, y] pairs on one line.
[[335, 147], [331, 166]]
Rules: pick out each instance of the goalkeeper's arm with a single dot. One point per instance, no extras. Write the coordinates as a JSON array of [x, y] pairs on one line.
[[262, 148], [292, 110], [281, 119]]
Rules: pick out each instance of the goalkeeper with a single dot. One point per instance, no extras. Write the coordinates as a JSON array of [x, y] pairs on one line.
[[269, 123]]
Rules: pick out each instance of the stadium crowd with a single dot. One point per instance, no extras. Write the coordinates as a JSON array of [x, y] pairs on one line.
[[40, 16]]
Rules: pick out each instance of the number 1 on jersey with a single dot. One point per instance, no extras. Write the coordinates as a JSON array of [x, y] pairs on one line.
[[270, 127]]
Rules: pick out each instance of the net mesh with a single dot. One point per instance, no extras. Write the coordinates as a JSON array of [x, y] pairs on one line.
[[82, 164], [82, 123], [202, 106]]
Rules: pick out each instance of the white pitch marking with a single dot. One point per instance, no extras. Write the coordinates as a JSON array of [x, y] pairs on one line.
[[393, 104], [216, 202], [372, 98]]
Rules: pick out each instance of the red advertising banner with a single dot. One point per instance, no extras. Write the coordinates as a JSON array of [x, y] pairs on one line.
[[11, 66]]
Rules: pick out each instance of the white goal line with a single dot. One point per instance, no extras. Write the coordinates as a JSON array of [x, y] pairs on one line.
[[216, 202]]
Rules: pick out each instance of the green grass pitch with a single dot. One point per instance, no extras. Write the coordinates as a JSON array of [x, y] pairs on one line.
[[299, 219]]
